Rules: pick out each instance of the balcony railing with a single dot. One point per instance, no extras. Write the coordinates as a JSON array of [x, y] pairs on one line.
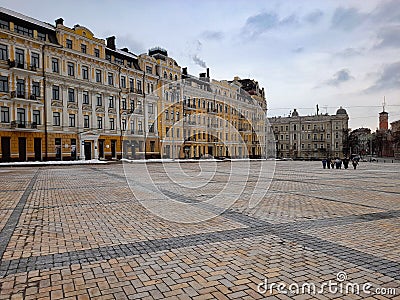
[[18, 94], [23, 124], [136, 91], [19, 65]]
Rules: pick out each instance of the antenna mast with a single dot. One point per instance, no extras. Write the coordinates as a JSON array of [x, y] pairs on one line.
[[384, 103]]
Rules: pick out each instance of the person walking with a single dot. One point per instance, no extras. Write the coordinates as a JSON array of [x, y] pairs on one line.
[[337, 162], [324, 163], [355, 163], [328, 163], [332, 163], [346, 162]]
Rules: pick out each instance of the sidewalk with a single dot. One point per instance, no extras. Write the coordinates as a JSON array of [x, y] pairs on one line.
[[54, 163]]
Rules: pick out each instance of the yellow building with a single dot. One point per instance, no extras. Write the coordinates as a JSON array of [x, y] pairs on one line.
[[66, 94]]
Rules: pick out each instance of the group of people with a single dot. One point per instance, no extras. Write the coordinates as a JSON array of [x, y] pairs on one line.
[[331, 163]]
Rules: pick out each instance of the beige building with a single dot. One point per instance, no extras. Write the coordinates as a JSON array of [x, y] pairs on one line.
[[311, 137], [66, 94]]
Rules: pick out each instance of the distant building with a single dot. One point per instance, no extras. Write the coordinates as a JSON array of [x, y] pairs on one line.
[[311, 137], [360, 141]]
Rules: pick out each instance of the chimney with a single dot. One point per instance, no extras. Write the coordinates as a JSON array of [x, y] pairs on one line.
[[208, 72], [111, 42], [184, 71], [59, 21]]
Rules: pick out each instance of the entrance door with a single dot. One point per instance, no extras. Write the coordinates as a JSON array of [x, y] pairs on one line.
[[5, 148], [210, 150], [101, 148], [37, 146], [73, 149], [88, 150], [58, 148], [113, 150], [22, 148]]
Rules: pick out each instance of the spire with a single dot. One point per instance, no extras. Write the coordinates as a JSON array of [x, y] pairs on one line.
[[384, 103]]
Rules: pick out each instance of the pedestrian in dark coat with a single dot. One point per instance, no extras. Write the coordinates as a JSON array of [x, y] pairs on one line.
[[355, 163], [328, 163], [345, 162], [324, 163]]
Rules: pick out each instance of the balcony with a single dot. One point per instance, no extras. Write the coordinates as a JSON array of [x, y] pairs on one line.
[[22, 67], [135, 91], [23, 124]]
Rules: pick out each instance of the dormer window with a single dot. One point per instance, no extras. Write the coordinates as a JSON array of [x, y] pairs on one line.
[[41, 36], [68, 44], [4, 25]]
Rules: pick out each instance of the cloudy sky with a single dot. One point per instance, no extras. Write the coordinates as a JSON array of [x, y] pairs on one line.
[[330, 53]]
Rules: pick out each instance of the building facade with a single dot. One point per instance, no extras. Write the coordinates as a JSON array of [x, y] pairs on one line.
[[311, 137], [66, 94]]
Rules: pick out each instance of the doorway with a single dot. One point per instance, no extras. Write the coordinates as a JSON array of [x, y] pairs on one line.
[[101, 148], [58, 148], [88, 150], [5, 148], [113, 150], [37, 147], [22, 148]]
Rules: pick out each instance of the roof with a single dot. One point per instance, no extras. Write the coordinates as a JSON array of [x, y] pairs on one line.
[[26, 18]]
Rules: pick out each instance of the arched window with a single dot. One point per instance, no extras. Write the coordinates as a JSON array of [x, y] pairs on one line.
[[165, 74], [170, 76], [176, 77]]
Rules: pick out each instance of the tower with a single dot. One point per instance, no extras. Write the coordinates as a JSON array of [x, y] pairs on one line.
[[383, 118]]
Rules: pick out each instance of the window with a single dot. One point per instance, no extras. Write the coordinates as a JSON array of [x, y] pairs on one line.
[[111, 102], [85, 96], [20, 88], [110, 79], [19, 56], [99, 100], [4, 25], [131, 84], [56, 119], [71, 122], [149, 69], [86, 121], [99, 122], [21, 115], [98, 76], [337, 135], [123, 103], [68, 44], [151, 108], [36, 89], [123, 123], [177, 116], [336, 145], [56, 92], [170, 76], [123, 81], [83, 48], [71, 69], [71, 95], [294, 136], [23, 30], [140, 127], [148, 88], [165, 75], [96, 52], [41, 36], [3, 52], [5, 114], [36, 117], [108, 57], [3, 84], [85, 72], [112, 124], [119, 60], [54, 65], [294, 127], [139, 86], [167, 115], [151, 128], [35, 60], [176, 77]]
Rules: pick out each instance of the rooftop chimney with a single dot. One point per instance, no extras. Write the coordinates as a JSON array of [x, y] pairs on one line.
[[59, 21], [208, 72], [184, 71], [111, 42]]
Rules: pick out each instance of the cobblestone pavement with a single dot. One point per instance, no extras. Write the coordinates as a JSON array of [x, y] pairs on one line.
[[80, 232]]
